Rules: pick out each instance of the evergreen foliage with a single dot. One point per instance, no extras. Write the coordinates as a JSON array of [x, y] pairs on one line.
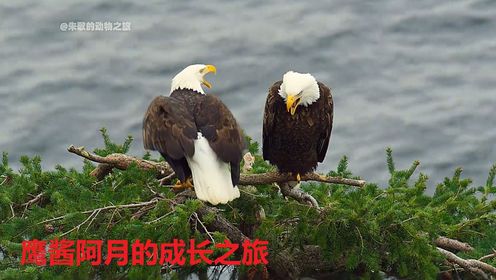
[[368, 231]]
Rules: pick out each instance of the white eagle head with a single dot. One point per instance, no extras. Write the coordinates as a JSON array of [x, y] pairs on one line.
[[298, 89], [193, 77]]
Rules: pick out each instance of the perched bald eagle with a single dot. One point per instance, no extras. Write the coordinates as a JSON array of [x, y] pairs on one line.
[[297, 123], [197, 135]]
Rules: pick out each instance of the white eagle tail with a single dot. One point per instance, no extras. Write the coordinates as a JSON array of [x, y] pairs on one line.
[[211, 176]]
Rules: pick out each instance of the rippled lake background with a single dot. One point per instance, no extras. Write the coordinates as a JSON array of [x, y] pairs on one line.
[[418, 76]]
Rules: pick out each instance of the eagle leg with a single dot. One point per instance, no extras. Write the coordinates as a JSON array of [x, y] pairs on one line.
[[298, 177]]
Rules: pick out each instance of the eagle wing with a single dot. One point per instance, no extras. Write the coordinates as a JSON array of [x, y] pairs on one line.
[[168, 127], [218, 125], [269, 119], [326, 115]]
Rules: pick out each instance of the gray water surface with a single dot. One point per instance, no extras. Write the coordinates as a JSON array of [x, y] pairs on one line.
[[418, 76]]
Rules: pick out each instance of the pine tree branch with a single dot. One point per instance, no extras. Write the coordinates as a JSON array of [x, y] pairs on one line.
[[276, 177], [102, 170], [286, 264], [122, 161], [448, 243], [475, 267]]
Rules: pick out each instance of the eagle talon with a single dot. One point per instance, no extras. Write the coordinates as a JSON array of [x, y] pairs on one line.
[[189, 183], [181, 186]]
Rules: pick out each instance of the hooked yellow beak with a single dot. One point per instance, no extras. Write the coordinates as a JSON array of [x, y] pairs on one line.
[[208, 69], [292, 103]]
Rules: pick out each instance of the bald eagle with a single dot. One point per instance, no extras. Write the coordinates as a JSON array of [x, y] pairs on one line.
[[297, 123], [197, 135]]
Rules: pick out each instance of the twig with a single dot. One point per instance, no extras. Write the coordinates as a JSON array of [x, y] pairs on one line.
[[490, 256], [94, 217], [204, 227], [34, 200], [162, 169], [12, 210], [143, 210], [154, 192], [79, 226], [4, 180], [167, 179], [298, 195], [160, 218], [151, 189], [133, 205], [111, 218], [361, 239]]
